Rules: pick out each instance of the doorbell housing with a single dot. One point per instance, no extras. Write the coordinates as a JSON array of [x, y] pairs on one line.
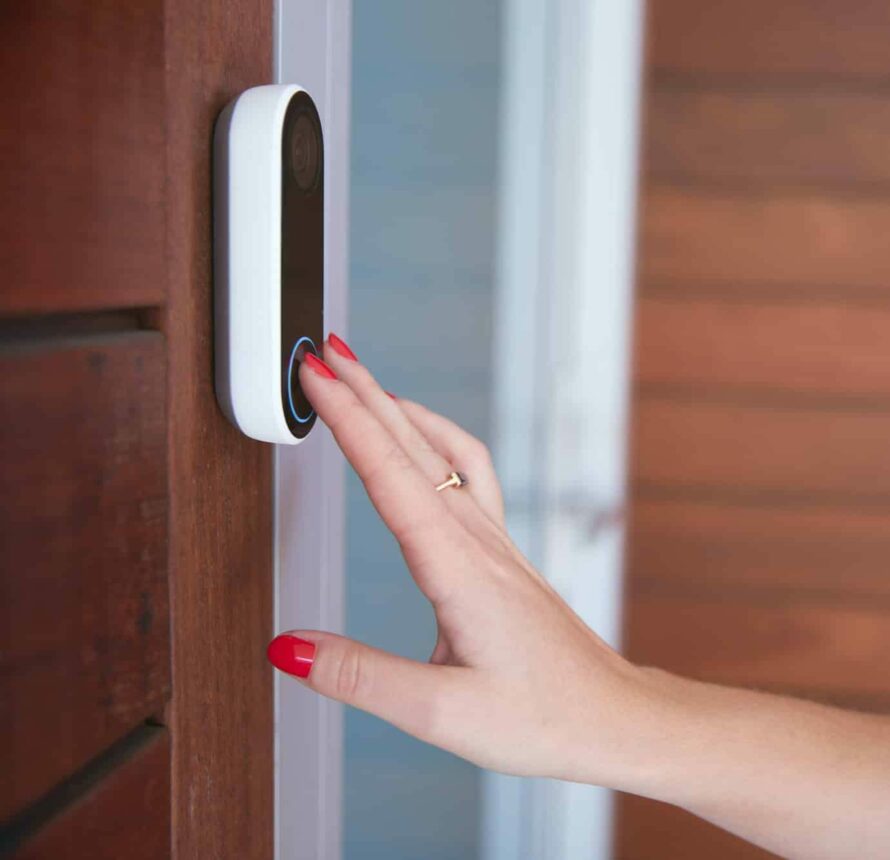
[[268, 258]]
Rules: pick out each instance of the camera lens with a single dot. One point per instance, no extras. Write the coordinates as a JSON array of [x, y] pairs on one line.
[[305, 152]]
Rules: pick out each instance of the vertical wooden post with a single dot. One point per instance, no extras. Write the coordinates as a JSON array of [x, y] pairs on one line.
[[220, 482]]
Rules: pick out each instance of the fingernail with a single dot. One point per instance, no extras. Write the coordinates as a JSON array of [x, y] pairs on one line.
[[291, 654], [391, 395], [313, 362], [341, 347]]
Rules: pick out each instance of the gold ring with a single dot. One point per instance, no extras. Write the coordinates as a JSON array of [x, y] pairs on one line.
[[455, 479]]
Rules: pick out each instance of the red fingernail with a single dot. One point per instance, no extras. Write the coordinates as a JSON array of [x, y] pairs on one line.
[[341, 347], [291, 654], [313, 362], [391, 395]]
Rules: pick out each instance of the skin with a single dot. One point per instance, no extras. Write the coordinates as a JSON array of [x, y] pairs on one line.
[[519, 684]]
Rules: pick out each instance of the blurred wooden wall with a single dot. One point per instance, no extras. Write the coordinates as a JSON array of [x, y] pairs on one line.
[[759, 552]]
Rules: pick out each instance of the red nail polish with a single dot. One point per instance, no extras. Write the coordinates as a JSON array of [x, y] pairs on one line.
[[341, 347], [316, 364], [291, 654], [391, 395]]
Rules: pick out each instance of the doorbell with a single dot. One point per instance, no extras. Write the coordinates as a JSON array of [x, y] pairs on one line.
[[268, 258]]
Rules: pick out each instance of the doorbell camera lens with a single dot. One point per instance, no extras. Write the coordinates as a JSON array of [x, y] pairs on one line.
[[305, 152]]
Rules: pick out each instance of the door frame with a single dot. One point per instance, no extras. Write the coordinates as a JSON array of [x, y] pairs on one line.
[[313, 48], [565, 258]]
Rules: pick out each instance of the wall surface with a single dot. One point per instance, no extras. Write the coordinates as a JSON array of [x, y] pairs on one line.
[[135, 520], [424, 95], [760, 530]]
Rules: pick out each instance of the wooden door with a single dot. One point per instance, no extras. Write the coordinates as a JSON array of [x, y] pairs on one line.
[[136, 578], [759, 551]]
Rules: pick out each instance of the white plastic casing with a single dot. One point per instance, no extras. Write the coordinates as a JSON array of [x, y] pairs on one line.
[[247, 261]]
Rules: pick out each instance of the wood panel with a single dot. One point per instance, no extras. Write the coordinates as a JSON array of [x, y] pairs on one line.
[[708, 239], [813, 648], [221, 481], [759, 538], [83, 588], [124, 814], [781, 451], [797, 39], [724, 548], [82, 158], [814, 347], [649, 830], [786, 137]]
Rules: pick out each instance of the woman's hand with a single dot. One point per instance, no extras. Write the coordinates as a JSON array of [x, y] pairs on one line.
[[516, 682]]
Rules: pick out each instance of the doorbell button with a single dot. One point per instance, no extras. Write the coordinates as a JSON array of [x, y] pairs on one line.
[[300, 408]]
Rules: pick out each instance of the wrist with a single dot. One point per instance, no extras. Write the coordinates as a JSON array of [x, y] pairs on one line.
[[661, 733]]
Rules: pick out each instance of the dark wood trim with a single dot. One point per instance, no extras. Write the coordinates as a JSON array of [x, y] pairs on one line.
[[220, 482]]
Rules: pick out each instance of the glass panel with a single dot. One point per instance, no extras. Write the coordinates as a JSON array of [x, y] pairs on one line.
[[424, 141]]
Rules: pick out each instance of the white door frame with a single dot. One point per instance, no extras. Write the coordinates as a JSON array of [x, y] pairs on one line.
[[567, 195], [313, 48]]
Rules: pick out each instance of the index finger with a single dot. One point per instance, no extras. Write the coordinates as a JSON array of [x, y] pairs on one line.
[[403, 496]]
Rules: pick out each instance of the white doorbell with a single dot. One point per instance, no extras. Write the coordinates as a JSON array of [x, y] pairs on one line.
[[268, 258]]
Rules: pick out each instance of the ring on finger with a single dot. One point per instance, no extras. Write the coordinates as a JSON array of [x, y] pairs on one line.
[[455, 479]]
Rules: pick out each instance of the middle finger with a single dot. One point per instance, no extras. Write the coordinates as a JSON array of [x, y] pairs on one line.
[[404, 431]]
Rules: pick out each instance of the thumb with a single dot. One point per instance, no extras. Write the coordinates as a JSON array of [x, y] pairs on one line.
[[412, 696]]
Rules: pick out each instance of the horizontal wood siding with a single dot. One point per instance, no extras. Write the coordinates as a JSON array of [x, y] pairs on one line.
[[820, 649], [815, 42], [839, 351], [789, 137], [656, 831], [83, 568], [711, 239], [82, 169], [707, 445], [759, 539], [136, 521], [723, 548], [123, 812]]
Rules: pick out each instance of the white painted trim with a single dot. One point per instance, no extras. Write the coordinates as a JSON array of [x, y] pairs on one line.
[[313, 47], [567, 197]]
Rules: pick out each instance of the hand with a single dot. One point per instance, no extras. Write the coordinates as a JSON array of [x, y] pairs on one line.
[[516, 682]]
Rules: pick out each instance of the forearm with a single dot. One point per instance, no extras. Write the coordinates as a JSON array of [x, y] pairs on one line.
[[518, 683], [800, 779]]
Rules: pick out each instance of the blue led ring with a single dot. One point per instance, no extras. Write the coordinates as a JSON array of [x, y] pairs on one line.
[[290, 388]]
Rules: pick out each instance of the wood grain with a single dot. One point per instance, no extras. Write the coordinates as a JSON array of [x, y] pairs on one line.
[[126, 814], [759, 534], [83, 588], [815, 40], [649, 830], [221, 481], [784, 452], [812, 648], [729, 549], [820, 348], [716, 241], [794, 137], [81, 156]]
